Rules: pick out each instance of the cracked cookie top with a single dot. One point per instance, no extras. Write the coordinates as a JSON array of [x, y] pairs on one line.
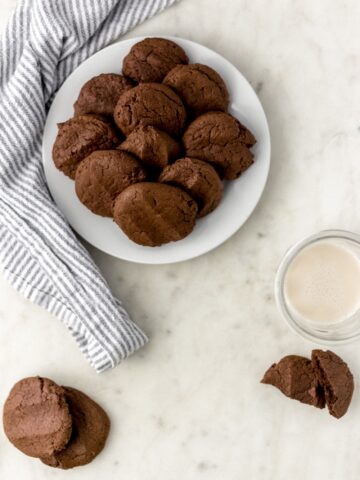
[[220, 139], [151, 59], [150, 104], [100, 94], [198, 179], [77, 138], [152, 146], [200, 87], [102, 176]]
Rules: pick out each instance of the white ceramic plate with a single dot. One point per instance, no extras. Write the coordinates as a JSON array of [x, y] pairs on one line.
[[240, 197]]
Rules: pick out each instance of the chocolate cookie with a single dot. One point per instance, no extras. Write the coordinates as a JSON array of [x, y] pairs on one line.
[[198, 179], [294, 377], [150, 104], [219, 138], [101, 94], [36, 417], [152, 146], [151, 214], [91, 427], [104, 174], [151, 59], [337, 380], [200, 87], [77, 138]]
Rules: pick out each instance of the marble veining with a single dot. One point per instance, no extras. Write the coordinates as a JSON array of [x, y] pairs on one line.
[[190, 405]]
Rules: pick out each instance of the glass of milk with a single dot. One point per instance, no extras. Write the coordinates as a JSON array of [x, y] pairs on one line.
[[317, 287]]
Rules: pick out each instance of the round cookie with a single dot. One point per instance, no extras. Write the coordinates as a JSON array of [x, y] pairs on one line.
[[150, 104], [102, 176], [152, 146], [152, 58], [100, 94], [152, 214], [36, 417], [220, 139], [198, 179], [91, 427], [77, 138], [200, 87], [336, 378]]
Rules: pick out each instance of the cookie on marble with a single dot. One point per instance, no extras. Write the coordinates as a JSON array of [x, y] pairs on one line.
[[91, 427], [198, 179], [100, 94], [150, 104], [200, 87], [220, 139], [152, 58], [152, 146], [294, 376], [102, 176], [78, 137], [36, 417], [336, 378], [152, 214]]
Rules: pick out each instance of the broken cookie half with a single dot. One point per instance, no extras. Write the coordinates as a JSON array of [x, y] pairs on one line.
[[323, 380], [294, 377], [336, 379]]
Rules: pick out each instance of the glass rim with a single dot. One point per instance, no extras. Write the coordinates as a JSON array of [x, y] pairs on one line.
[[312, 333]]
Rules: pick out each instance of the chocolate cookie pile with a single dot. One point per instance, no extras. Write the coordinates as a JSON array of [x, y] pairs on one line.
[[152, 147], [325, 380], [61, 426]]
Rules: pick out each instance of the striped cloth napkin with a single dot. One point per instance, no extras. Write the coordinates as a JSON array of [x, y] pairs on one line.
[[39, 254]]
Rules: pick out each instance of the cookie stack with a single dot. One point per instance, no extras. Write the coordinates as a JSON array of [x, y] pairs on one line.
[[152, 147], [60, 425]]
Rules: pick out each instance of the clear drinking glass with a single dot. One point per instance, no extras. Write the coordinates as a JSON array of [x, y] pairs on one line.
[[341, 332]]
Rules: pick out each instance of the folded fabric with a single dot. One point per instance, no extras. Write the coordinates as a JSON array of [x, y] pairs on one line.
[[39, 254]]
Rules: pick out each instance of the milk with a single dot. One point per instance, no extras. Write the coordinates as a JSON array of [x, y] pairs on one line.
[[322, 283]]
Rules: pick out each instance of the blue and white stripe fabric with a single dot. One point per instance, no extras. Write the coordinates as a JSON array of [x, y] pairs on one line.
[[39, 254]]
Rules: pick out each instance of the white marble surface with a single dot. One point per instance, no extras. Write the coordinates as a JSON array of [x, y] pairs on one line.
[[190, 406]]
